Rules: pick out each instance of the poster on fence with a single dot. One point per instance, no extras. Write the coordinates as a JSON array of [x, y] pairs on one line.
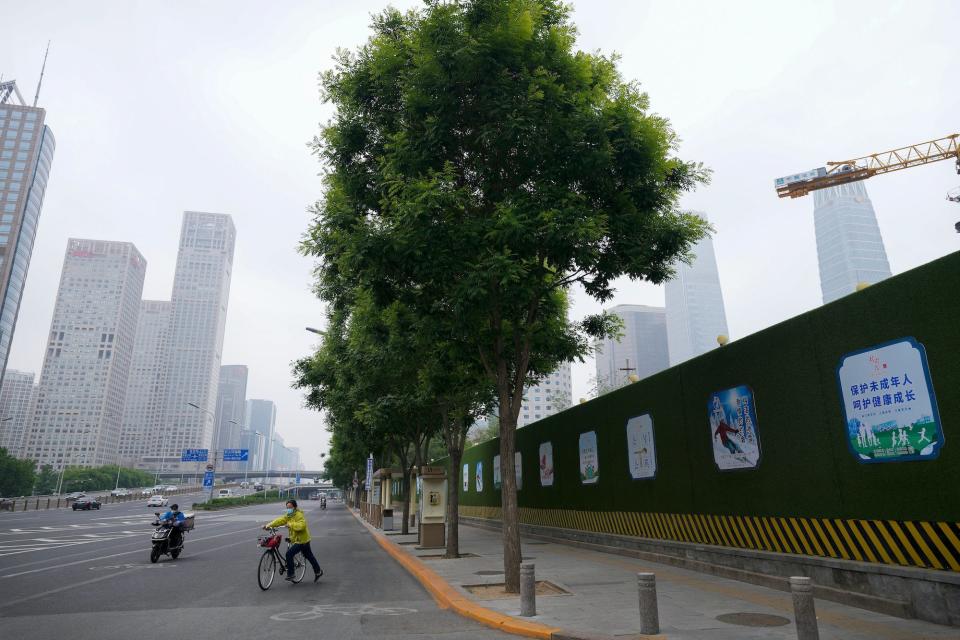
[[733, 428], [889, 407], [518, 469], [479, 477], [466, 477], [641, 451], [589, 460], [546, 464], [496, 472]]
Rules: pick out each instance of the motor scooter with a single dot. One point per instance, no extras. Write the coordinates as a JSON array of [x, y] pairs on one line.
[[167, 538]]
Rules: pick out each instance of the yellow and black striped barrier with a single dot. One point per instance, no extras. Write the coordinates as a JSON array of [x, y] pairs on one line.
[[931, 545]]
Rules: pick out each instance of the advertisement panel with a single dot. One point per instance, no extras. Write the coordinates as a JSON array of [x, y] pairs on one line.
[[890, 410], [479, 477], [518, 469], [641, 450], [466, 476], [496, 472], [589, 460], [733, 428], [546, 464]]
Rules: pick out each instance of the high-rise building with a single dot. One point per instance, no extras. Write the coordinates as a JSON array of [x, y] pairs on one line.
[[26, 154], [198, 315], [551, 395], [262, 419], [694, 306], [849, 246], [143, 430], [83, 383], [17, 396], [231, 405], [642, 349], [254, 443]]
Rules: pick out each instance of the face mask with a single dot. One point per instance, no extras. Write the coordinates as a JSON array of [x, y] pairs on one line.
[[289, 512]]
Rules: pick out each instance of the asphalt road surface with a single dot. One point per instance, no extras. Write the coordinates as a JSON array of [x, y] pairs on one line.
[[86, 575]]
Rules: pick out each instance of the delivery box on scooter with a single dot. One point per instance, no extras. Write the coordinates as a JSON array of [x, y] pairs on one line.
[[188, 521]]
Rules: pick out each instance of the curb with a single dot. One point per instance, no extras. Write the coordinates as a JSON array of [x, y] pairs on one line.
[[449, 598]]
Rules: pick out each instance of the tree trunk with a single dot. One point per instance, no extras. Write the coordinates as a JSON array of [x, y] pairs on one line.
[[453, 503], [508, 498]]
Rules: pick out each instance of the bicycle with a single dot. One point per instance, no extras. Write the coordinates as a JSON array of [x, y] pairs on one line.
[[272, 562]]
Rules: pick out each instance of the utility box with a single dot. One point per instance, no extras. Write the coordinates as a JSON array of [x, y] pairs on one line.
[[433, 507]]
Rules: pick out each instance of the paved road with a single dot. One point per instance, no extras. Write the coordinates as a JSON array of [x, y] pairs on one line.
[[87, 575]]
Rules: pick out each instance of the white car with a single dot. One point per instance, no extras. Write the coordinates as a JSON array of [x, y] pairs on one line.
[[157, 501], [119, 492], [147, 492], [170, 487]]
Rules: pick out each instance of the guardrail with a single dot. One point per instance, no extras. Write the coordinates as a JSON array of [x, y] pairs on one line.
[[36, 503]]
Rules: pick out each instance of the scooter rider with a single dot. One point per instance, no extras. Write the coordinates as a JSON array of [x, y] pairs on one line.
[[296, 523], [175, 518]]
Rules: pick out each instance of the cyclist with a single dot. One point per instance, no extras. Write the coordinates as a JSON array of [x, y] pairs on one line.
[[296, 523], [176, 518]]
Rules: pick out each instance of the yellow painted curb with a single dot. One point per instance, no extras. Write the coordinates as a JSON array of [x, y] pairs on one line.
[[449, 598]]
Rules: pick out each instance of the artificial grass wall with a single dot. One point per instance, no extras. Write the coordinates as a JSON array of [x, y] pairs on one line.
[[806, 466]]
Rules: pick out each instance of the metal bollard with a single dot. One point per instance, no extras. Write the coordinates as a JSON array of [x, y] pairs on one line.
[[804, 611], [649, 615], [528, 590]]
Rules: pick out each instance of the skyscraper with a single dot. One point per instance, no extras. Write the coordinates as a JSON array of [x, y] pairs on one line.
[[262, 418], [17, 396], [198, 315], [551, 395], [849, 246], [694, 306], [231, 405], [25, 159], [142, 432], [83, 383], [642, 350]]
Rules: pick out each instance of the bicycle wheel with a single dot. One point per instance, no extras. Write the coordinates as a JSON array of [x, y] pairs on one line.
[[267, 570], [299, 567]]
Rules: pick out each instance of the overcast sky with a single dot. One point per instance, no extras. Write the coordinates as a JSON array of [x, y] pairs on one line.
[[162, 107]]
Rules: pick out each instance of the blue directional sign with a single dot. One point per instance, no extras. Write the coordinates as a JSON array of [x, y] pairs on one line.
[[236, 455], [298, 477], [194, 455], [208, 479]]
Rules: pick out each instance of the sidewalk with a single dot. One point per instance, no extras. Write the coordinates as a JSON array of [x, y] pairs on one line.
[[602, 598]]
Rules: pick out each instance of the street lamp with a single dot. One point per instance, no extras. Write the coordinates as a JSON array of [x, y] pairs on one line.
[[247, 468], [316, 331]]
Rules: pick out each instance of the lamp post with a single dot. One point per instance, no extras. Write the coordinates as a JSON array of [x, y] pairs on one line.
[[247, 468], [216, 437]]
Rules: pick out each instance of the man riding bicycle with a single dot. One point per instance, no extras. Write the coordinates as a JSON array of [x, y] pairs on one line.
[[296, 524]]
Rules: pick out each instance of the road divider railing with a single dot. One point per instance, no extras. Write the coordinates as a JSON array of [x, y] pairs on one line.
[[37, 503]]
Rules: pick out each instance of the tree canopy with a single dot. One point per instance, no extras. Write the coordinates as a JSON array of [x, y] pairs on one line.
[[479, 166]]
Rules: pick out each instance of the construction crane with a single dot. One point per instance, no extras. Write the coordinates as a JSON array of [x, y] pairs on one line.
[[844, 171]]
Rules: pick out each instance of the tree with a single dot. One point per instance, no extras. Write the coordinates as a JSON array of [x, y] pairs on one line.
[[46, 481], [16, 476], [481, 166]]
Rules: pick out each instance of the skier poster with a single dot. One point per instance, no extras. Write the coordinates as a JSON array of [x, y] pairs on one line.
[[496, 472], [479, 477], [733, 428], [889, 407]]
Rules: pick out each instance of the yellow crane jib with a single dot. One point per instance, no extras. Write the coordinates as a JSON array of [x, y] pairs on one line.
[[844, 171]]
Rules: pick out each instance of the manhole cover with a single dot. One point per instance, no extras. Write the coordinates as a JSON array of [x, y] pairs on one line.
[[488, 573], [747, 619]]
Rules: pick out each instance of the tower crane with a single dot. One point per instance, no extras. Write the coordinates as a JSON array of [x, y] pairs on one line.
[[845, 171]]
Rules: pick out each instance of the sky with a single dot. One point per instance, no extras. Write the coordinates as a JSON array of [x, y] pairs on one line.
[[160, 108]]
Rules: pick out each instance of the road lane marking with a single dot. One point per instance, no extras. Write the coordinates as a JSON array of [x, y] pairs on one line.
[[320, 610], [10, 603], [124, 553]]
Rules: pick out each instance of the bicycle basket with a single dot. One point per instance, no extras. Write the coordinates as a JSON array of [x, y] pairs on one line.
[[270, 542]]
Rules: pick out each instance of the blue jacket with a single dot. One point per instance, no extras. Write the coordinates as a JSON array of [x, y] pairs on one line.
[[169, 515]]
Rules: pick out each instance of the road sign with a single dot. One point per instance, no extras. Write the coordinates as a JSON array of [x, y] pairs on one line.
[[236, 455], [298, 477], [208, 479], [369, 480], [194, 455]]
